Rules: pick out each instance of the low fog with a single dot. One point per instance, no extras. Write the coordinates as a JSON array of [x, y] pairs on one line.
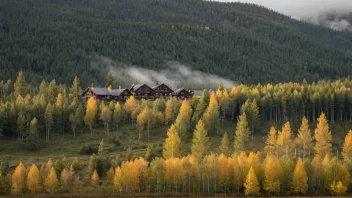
[[330, 13], [173, 74]]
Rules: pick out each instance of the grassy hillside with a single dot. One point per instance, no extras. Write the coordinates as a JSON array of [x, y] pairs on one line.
[[246, 43]]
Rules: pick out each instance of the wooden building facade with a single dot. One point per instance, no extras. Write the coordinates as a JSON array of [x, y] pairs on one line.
[[162, 91], [141, 91], [182, 94]]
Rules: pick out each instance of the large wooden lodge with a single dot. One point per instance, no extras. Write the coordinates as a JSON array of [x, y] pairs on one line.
[[139, 91]]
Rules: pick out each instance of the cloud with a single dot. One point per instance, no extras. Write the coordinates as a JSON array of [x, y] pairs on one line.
[[174, 74], [330, 13]]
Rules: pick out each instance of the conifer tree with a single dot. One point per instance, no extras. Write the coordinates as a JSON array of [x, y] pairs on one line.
[[347, 147], [75, 89], [201, 106], [172, 145], [51, 182], [91, 112], [33, 179], [200, 141], [18, 179], [118, 115], [323, 137], [211, 116], [19, 85], [182, 122], [299, 183], [48, 120], [109, 80], [251, 185], [271, 142], [241, 134], [284, 140], [304, 137], [94, 178], [118, 182], [273, 174], [225, 145], [33, 135]]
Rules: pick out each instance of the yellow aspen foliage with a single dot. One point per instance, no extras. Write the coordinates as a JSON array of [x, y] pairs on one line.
[[347, 147], [323, 137], [169, 106], [132, 107], [271, 141], [91, 111], [304, 137], [33, 179], [18, 179], [343, 175], [338, 188], [118, 182], [284, 140], [174, 172], [67, 177], [200, 141], [172, 145], [51, 182], [94, 178], [273, 174], [183, 119], [241, 134], [253, 160], [211, 116], [224, 172], [225, 144], [251, 185], [299, 184]]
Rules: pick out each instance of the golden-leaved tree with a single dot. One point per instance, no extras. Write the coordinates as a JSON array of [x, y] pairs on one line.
[[323, 137], [33, 179], [211, 116], [183, 120], [225, 144], [251, 185], [51, 182], [18, 179], [172, 146], [299, 184], [91, 112], [347, 147], [284, 140], [241, 134], [271, 142], [273, 174], [200, 141], [305, 138]]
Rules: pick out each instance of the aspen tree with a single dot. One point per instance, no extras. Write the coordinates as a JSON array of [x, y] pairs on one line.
[[169, 106], [299, 184], [343, 175], [241, 134], [75, 89], [132, 107], [51, 182], [225, 145], [18, 179], [271, 142], [347, 147], [211, 116], [323, 137], [118, 115], [118, 182], [251, 185], [94, 178], [182, 122], [48, 116], [91, 112], [19, 85], [172, 146], [304, 137], [338, 188], [273, 174], [33, 179], [200, 141], [105, 116], [284, 140]]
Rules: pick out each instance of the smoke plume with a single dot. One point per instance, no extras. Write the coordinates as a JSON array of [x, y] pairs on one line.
[[335, 14], [174, 75]]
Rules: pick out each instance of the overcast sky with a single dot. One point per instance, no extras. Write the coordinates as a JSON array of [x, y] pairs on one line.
[[303, 9]]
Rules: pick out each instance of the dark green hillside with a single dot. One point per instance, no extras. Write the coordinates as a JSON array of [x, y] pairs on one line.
[[246, 43]]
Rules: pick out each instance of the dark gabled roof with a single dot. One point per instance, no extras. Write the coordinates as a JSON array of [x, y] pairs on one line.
[[100, 91], [117, 92], [156, 86], [135, 87], [176, 92]]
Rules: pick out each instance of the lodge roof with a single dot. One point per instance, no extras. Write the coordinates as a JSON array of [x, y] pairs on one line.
[[118, 92], [177, 91], [156, 86], [136, 87]]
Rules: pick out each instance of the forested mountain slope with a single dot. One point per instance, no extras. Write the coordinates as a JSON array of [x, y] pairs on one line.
[[246, 43]]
